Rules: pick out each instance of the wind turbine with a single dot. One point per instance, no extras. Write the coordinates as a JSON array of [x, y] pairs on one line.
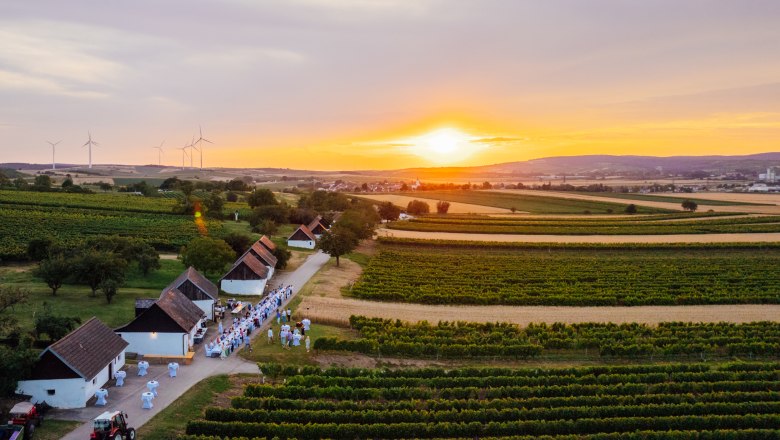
[[90, 142], [191, 146], [53, 144], [159, 153], [183, 154], [200, 141]]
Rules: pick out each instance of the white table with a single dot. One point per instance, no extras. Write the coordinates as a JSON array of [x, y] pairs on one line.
[[152, 385], [142, 367], [146, 400], [172, 368], [120, 378], [101, 395]]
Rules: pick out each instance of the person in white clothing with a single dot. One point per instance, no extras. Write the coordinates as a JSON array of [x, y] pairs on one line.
[[270, 335]]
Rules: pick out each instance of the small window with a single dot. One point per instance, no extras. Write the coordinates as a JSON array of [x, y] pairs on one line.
[[51, 392], [94, 381]]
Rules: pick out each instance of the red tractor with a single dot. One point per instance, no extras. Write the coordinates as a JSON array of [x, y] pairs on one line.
[[112, 426], [27, 415]]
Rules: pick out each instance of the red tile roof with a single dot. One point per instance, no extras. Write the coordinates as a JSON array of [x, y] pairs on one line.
[[89, 348]]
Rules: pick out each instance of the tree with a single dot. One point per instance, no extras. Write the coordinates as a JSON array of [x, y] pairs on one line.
[[486, 185], [261, 197], [231, 196], [4, 180], [337, 242], [282, 257], [148, 260], [9, 298], [690, 205], [276, 213], [388, 211], [442, 207], [237, 185], [67, 183], [239, 242], [54, 271], [20, 183], [214, 204], [95, 267], [266, 227], [208, 255], [417, 207], [42, 181], [631, 209], [38, 248], [56, 327], [360, 220], [105, 186], [16, 364], [109, 287]]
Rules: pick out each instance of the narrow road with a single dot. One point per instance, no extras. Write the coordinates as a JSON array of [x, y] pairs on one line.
[[128, 398]]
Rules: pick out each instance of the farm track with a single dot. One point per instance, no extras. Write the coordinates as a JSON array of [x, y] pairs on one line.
[[520, 238], [342, 308]]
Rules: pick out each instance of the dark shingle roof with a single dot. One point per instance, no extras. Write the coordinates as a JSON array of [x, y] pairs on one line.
[[268, 257], [183, 311], [252, 263], [144, 303], [198, 280], [265, 241], [89, 348], [302, 233]]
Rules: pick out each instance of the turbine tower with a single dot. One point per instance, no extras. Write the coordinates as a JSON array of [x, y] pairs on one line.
[[90, 142], [183, 154], [191, 146], [53, 144], [200, 141], [159, 153]]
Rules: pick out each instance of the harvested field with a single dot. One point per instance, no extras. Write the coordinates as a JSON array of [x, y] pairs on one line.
[[517, 238], [343, 308]]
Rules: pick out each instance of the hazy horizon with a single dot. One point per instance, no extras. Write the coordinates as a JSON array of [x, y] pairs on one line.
[[387, 84]]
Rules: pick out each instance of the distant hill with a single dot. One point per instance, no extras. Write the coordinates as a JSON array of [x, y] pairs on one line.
[[607, 165]]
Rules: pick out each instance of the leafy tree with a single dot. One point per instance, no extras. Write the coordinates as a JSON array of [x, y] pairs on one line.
[[237, 185], [486, 185], [4, 180], [301, 216], [105, 186], [231, 196], [631, 209], [261, 197], [9, 298], [53, 325], [95, 267], [442, 207], [276, 213], [388, 211], [20, 183], [513, 209], [109, 287], [54, 271], [338, 241], [237, 241], [42, 181], [266, 227], [16, 364], [282, 257], [404, 187], [147, 259], [214, 204], [170, 183], [38, 248], [360, 222], [417, 207], [67, 183], [323, 201], [208, 255], [690, 205]]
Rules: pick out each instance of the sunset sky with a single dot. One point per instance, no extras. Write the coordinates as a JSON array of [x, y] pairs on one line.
[[349, 84]]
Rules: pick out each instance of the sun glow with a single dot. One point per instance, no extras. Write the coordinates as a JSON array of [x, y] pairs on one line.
[[444, 145]]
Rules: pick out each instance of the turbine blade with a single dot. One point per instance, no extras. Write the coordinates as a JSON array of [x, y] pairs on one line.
[[208, 141]]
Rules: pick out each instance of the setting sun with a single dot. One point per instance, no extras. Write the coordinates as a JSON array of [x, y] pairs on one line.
[[444, 146]]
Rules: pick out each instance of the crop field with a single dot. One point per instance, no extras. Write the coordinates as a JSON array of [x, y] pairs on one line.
[[646, 225], [460, 340], [672, 199], [71, 225], [484, 273], [533, 204], [107, 202], [694, 401]]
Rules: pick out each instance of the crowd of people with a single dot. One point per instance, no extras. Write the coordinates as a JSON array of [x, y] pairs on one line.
[[291, 337], [249, 317]]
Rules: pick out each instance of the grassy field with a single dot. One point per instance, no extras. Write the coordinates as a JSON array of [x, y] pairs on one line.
[[662, 198], [533, 204], [72, 300], [55, 429], [643, 225], [570, 275], [262, 351]]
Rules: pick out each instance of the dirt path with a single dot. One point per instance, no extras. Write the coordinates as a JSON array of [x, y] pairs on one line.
[[519, 238], [342, 308]]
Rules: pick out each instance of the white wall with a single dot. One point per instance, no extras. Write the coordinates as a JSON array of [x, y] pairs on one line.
[[308, 244], [170, 344], [270, 271], [207, 305], [68, 393], [243, 287]]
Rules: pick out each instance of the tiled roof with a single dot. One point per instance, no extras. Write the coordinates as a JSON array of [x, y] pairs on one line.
[[197, 279], [302, 233], [89, 348], [183, 311], [252, 263], [268, 257], [265, 241]]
